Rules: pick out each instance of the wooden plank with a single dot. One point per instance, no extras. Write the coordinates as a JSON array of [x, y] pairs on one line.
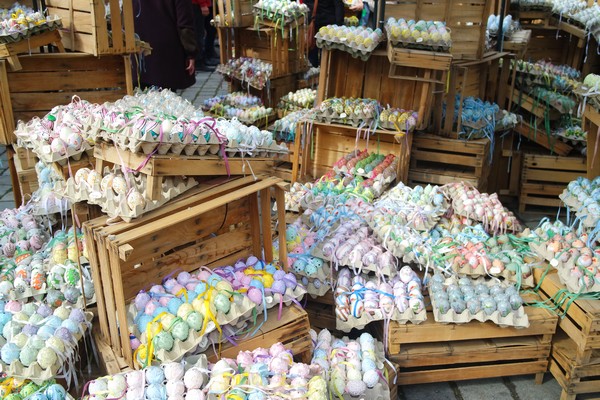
[[575, 164], [553, 143], [65, 80]]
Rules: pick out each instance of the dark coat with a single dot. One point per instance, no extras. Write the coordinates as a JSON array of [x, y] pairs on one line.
[[328, 12], [168, 26]]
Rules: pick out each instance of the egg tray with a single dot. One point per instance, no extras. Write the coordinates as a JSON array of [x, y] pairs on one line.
[[570, 140], [233, 148], [363, 52], [237, 312], [400, 219], [586, 219], [34, 372], [427, 46], [315, 292], [480, 271], [391, 126], [572, 282], [353, 172], [42, 150], [116, 205], [49, 25], [252, 121], [400, 317], [275, 16], [516, 318], [357, 266], [407, 255]]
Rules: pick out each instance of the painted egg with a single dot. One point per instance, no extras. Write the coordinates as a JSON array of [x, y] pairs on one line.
[[135, 199], [119, 185]]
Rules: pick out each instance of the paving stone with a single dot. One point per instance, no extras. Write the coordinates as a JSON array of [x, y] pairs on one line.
[[527, 389], [431, 391], [488, 389]]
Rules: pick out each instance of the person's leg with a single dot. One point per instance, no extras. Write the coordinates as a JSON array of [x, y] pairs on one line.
[[211, 33], [200, 34]]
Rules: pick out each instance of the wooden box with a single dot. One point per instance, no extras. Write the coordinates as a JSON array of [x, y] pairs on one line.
[[591, 124], [233, 13], [214, 224], [344, 76], [437, 161], [544, 178], [11, 51], [556, 45], [85, 27], [435, 352], [467, 20], [48, 80], [330, 142], [286, 54]]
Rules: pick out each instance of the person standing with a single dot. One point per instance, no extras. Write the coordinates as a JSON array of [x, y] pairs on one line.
[[201, 14], [168, 26], [328, 12]]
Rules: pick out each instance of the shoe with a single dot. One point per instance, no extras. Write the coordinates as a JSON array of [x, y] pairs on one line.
[[205, 68], [212, 62]]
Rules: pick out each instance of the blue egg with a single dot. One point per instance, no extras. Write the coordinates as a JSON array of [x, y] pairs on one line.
[[143, 322], [201, 288], [55, 392], [159, 310], [214, 279], [45, 332], [271, 269], [38, 396], [71, 325], [256, 283], [5, 317], [10, 353], [173, 305], [154, 376], [191, 295], [54, 321]]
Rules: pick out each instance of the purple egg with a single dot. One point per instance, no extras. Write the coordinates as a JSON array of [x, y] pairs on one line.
[[184, 277], [30, 330], [255, 295], [64, 334], [157, 289], [251, 261], [141, 300], [77, 315], [290, 280], [170, 284], [278, 287], [279, 275], [44, 310]]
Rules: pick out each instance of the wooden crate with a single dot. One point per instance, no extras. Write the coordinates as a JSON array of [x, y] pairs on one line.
[[539, 136], [321, 316], [344, 76], [214, 224], [581, 322], [286, 54], [435, 352], [157, 167], [418, 58], [330, 142], [11, 51], [538, 19], [292, 330], [48, 80], [233, 13], [467, 20], [591, 123], [488, 79], [574, 378], [557, 45], [85, 26], [271, 94], [436, 160], [24, 158], [518, 43], [545, 177]]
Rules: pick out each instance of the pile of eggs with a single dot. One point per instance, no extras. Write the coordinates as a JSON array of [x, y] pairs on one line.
[[34, 333], [368, 165], [285, 128], [271, 373], [276, 9], [360, 295], [482, 207], [47, 390], [154, 101], [170, 380], [397, 118], [247, 115], [572, 133], [303, 98], [419, 207], [112, 185], [546, 68], [562, 103], [348, 109], [568, 7], [236, 99], [468, 296], [249, 137], [429, 34], [21, 234], [478, 118], [350, 37], [353, 366], [300, 240], [21, 21], [583, 196], [251, 70]]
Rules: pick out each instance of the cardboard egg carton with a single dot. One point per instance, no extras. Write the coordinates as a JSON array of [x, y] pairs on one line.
[[235, 148], [356, 51], [480, 271], [515, 318], [366, 318], [587, 219], [42, 150]]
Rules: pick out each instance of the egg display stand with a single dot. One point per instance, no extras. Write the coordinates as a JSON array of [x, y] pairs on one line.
[[292, 330], [544, 178], [233, 13], [156, 167], [535, 19], [213, 225], [591, 123], [540, 137], [436, 352], [436, 160], [574, 358], [10, 51]]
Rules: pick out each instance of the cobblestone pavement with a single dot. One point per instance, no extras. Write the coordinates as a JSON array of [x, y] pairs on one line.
[[210, 84]]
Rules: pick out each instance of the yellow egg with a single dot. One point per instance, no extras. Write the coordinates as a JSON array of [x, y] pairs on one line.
[[416, 35], [268, 281], [405, 33]]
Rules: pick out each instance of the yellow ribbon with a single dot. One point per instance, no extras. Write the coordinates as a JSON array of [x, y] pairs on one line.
[[150, 334], [183, 292]]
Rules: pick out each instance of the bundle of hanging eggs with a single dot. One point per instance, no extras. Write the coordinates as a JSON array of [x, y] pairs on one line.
[[264, 374], [38, 342], [359, 41], [120, 194], [285, 128], [583, 196], [245, 69], [478, 119], [398, 119], [300, 242], [562, 78], [508, 26], [469, 202], [249, 141], [403, 241], [419, 207], [352, 111], [462, 300], [372, 166], [236, 99], [430, 35], [18, 389], [300, 99], [360, 299], [564, 104], [159, 121], [280, 11], [20, 22], [65, 132], [249, 115], [167, 381], [354, 367]]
